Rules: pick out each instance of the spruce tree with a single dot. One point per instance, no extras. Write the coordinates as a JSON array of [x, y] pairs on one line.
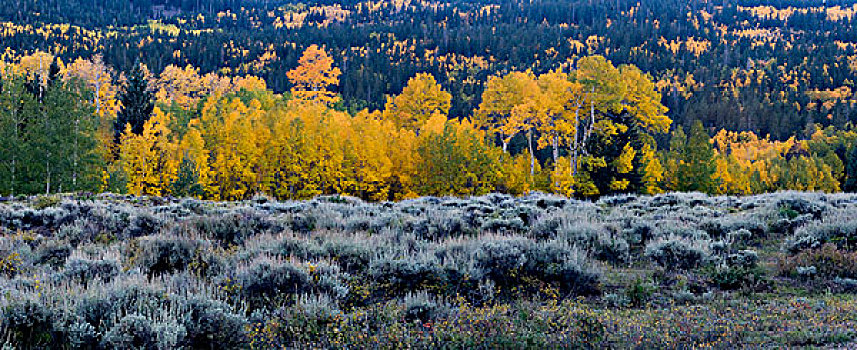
[[138, 101], [851, 171], [696, 172]]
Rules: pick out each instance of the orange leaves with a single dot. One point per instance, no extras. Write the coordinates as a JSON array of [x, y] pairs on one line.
[[314, 75]]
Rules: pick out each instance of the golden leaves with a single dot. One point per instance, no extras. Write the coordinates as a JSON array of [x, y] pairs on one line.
[[314, 75], [422, 99]]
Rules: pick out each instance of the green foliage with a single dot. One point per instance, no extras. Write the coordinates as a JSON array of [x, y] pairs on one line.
[[457, 161], [692, 160], [137, 101]]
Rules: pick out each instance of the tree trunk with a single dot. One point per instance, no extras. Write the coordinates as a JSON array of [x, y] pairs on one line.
[[532, 156], [574, 147], [555, 143], [75, 155]]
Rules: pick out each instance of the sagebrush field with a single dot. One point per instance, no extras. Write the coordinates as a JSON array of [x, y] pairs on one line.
[[673, 270]]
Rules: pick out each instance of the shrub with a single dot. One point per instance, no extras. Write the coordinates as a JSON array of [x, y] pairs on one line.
[[211, 324], [76, 233], [841, 233], [319, 309], [142, 224], [498, 225], [828, 261], [269, 282], [302, 223], [508, 262], [614, 250], [53, 253], [639, 292], [546, 227], [350, 255], [293, 246], [82, 335], [29, 323], [792, 207], [232, 228], [639, 233], [402, 275], [167, 254], [744, 258], [603, 241], [733, 277], [677, 253], [84, 270], [423, 307], [573, 274], [132, 332], [740, 236], [501, 259]]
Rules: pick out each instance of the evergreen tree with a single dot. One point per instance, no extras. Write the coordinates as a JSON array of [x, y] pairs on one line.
[[695, 174], [851, 171], [14, 104], [138, 101]]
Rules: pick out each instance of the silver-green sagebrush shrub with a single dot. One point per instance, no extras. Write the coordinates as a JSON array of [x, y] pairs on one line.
[[403, 274], [162, 254], [678, 253], [83, 271]]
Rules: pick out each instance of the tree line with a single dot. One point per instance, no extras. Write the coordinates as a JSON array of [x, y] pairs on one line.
[[743, 66], [84, 127]]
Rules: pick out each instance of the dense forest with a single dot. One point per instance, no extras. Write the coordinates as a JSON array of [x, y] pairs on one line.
[[770, 67], [391, 100]]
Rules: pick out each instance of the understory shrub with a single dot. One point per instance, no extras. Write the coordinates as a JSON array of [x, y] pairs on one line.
[[827, 261], [84, 271], [676, 253], [161, 254], [842, 232]]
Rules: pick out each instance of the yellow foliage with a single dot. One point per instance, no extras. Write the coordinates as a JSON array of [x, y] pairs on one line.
[[313, 76], [422, 99], [150, 160]]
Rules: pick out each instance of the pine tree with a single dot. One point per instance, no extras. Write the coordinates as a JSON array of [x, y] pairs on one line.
[[851, 171], [698, 169], [13, 150], [137, 100]]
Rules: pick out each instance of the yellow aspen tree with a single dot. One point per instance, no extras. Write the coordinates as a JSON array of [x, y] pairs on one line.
[[556, 123], [150, 160], [420, 100], [313, 77], [182, 86], [722, 177], [653, 171], [624, 164], [643, 101], [193, 150], [502, 94], [236, 136], [524, 118], [371, 164], [99, 78]]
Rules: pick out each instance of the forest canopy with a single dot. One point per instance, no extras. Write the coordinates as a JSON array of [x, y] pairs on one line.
[[84, 127]]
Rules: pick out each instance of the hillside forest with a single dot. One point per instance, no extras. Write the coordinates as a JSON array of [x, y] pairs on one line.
[[230, 99]]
